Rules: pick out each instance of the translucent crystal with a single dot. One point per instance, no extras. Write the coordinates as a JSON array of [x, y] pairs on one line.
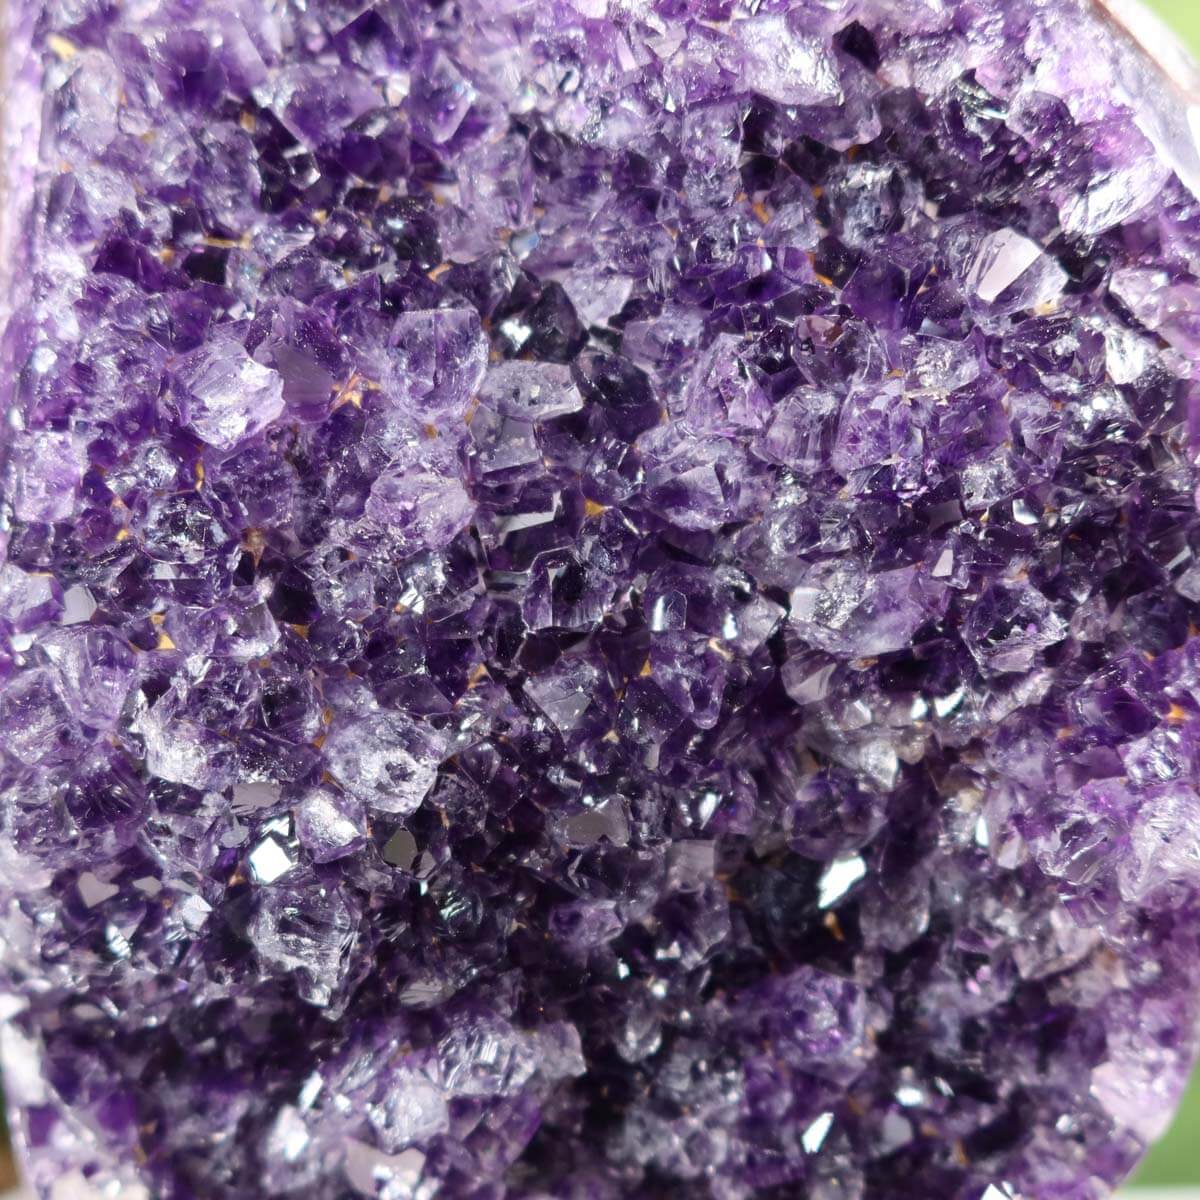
[[228, 396], [384, 761]]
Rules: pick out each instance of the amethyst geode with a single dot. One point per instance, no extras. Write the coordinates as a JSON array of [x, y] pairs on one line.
[[600, 600]]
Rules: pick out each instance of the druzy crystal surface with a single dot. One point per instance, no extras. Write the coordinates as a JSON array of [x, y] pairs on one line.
[[600, 600]]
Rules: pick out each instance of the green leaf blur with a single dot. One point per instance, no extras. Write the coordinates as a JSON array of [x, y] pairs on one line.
[[1184, 15]]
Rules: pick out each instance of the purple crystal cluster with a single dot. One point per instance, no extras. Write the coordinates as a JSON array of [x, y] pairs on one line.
[[599, 599]]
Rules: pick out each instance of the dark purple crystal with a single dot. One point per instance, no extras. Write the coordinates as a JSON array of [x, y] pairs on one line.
[[599, 600]]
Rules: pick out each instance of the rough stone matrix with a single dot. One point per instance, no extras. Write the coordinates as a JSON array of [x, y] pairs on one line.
[[600, 599]]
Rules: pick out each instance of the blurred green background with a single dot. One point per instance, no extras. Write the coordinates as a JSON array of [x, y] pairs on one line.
[[1176, 1160], [1184, 15]]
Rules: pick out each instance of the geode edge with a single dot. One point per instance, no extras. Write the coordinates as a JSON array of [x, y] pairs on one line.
[[599, 600]]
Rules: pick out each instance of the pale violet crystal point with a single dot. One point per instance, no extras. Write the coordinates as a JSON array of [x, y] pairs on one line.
[[227, 395]]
